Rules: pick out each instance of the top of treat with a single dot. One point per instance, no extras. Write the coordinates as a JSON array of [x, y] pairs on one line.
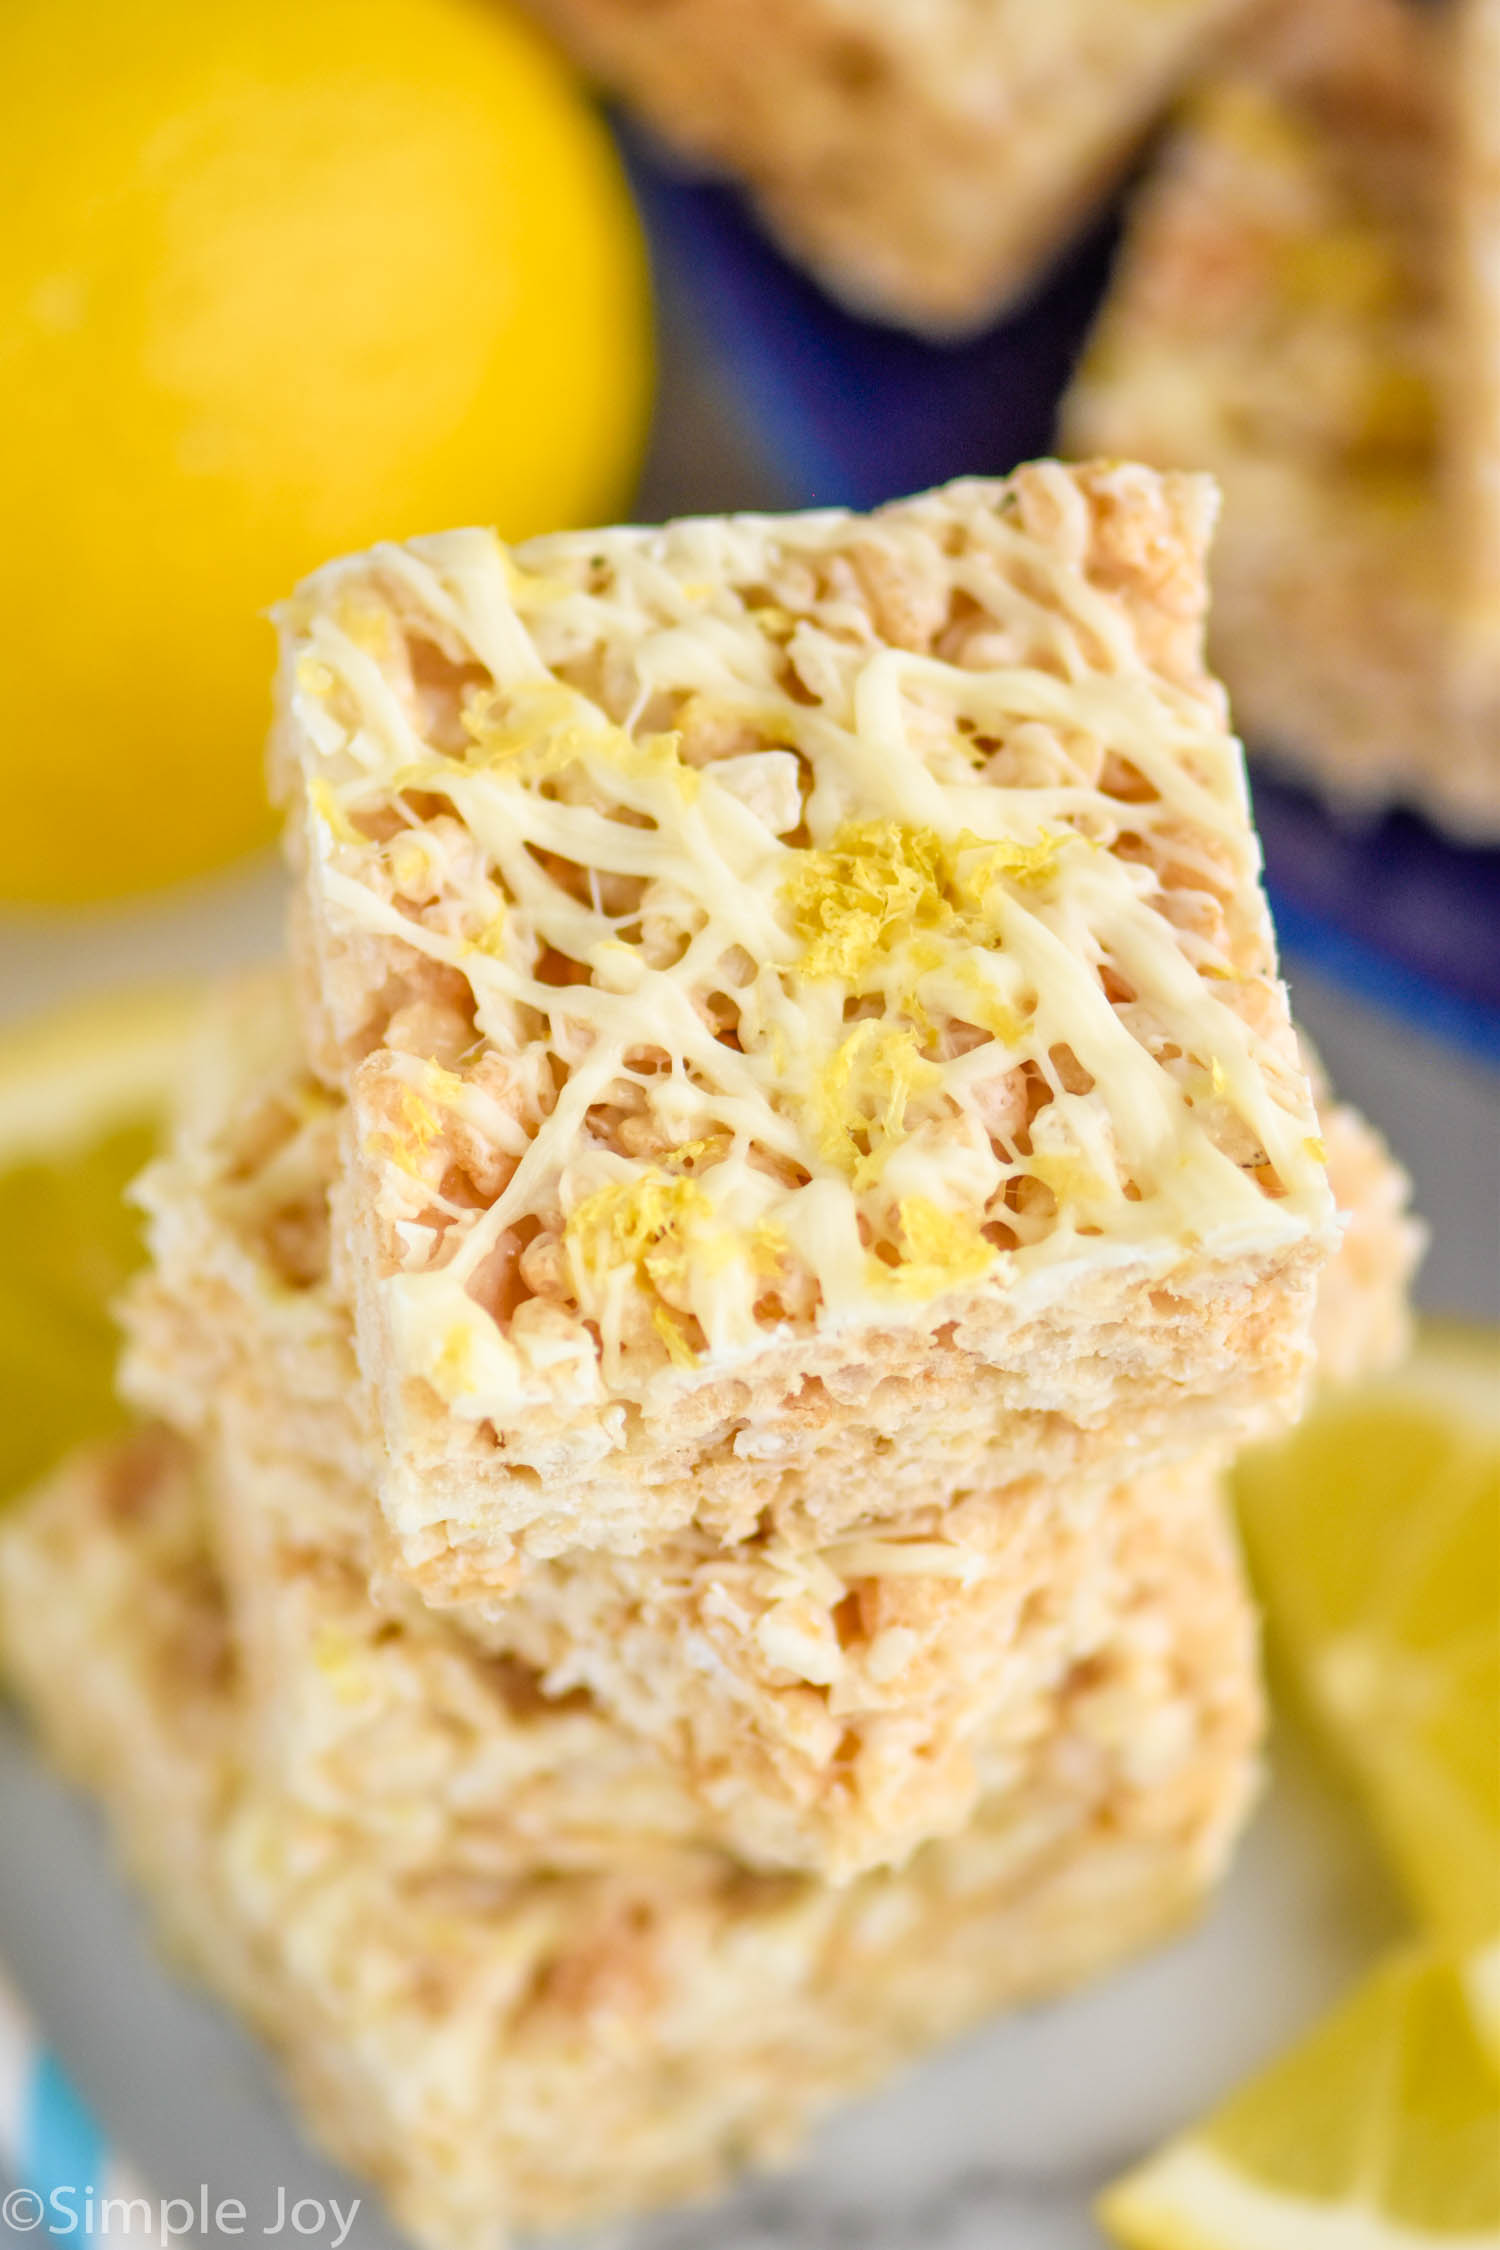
[[797, 921]]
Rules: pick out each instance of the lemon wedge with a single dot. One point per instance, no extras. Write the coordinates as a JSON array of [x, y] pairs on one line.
[[1374, 1538], [82, 1094], [1381, 2131]]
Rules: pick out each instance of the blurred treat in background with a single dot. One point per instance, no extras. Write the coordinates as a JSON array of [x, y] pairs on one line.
[[276, 284], [1474, 458], [924, 157], [1282, 314]]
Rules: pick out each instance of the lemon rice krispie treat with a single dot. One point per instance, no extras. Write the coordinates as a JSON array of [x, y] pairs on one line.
[[538, 2049], [1283, 315], [807, 1009], [825, 1706], [924, 157], [828, 1705]]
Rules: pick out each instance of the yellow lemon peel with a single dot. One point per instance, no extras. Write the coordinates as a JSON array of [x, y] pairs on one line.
[[940, 1250], [331, 813], [865, 1088], [538, 731], [882, 883]]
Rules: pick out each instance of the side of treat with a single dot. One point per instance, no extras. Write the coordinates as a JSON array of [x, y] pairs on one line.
[[827, 1707], [546, 2045], [1305, 305], [923, 161], [807, 1009], [301, 1781]]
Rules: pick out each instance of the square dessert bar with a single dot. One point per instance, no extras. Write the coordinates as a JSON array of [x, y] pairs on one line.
[[500, 2050], [807, 1009], [923, 159], [1305, 305], [827, 1707]]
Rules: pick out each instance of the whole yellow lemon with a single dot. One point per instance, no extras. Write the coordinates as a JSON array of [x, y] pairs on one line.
[[278, 278]]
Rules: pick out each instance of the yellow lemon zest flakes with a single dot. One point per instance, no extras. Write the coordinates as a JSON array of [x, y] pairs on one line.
[[882, 882], [940, 1250], [420, 1122], [865, 1087], [538, 730], [986, 1008], [769, 1248], [332, 814], [988, 863], [709, 1145], [530, 589], [452, 1372], [1316, 1147], [662, 1227], [1071, 1179], [679, 1351], [365, 620], [492, 938]]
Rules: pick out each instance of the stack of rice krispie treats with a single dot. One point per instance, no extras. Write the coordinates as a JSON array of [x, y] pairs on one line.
[[693, 1335]]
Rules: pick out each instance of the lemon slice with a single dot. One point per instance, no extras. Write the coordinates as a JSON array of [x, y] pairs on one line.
[[1381, 2131], [81, 1099], [1374, 1538]]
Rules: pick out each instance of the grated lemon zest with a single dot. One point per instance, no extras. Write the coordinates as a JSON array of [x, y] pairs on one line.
[[452, 1372], [541, 729], [882, 883], [365, 621], [866, 1087], [942, 1249], [879, 882], [491, 939], [679, 1351], [1071, 1178], [1008, 861], [332, 814]]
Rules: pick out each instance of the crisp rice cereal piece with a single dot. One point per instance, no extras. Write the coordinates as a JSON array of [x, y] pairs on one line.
[[924, 157], [550, 2048], [807, 1003], [1280, 317], [826, 1703]]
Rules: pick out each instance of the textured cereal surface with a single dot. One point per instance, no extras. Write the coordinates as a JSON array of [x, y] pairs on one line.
[[800, 983], [826, 1700], [539, 2049]]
